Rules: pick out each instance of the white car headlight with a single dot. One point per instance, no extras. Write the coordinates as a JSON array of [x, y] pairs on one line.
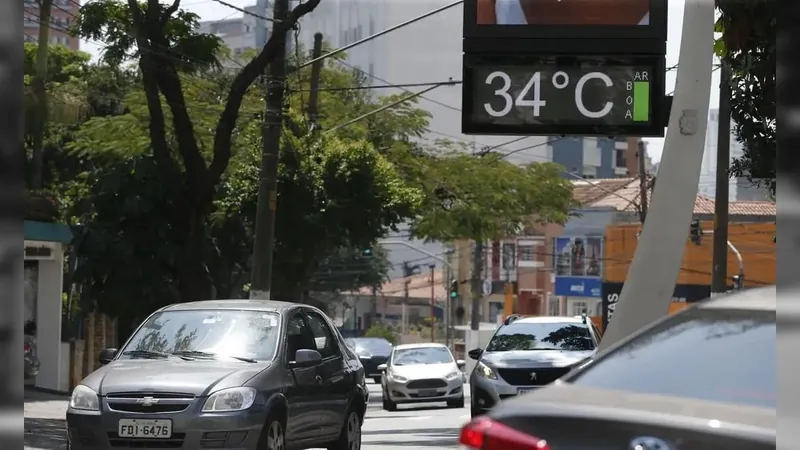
[[453, 375], [398, 378], [84, 398], [233, 399], [485, 371]]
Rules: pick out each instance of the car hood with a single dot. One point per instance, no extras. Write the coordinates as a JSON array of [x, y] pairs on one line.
[[423, 371], [198, 378], [535, 358]]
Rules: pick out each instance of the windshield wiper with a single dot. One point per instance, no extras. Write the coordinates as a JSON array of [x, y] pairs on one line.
[[146, 354], [209, 355]]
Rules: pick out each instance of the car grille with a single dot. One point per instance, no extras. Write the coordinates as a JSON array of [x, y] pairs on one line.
[[137, 402], [523, 377], [426, 384], [176, 441]]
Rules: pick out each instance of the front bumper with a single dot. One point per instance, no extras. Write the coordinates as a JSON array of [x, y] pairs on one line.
[[485, 393], [191, 429], [414, 391]]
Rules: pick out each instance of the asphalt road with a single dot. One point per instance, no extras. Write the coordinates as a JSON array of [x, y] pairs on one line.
[[416, 426]]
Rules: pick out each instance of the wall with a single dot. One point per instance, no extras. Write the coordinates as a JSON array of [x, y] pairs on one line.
[[535, 284], [48, 323], [753, 240]]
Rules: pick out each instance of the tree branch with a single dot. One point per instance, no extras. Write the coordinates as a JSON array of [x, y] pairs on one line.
[[243, 80], [170, 11]]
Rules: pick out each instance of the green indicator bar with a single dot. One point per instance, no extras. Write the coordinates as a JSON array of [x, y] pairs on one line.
[[641, 101]]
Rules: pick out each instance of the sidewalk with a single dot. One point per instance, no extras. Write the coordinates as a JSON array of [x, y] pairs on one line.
[[45, 421]]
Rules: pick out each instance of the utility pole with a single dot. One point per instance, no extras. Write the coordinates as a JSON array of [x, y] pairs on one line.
[[719, 272], [261, 281], [640, 155], [316, 73], [477, 284], [432, 267]]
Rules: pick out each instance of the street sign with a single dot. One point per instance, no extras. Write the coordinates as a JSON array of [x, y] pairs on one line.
[[580, 95], [486, 287]]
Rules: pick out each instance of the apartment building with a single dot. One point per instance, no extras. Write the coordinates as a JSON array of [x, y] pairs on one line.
[[242, 33], [61, 17], [589, 157]]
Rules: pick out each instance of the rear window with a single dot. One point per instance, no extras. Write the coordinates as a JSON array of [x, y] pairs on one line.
[[541, 336], [718, 355]]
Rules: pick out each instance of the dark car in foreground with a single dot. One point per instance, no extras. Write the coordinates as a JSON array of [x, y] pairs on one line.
[[704, 378], [372, 352], [229, 374], [527, 353]]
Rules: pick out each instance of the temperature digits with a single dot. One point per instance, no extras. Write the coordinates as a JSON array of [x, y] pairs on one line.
[[533, 88]]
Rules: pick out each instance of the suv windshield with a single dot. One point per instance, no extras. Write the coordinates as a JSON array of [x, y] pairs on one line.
[[541, 336], [421, 355], [709, 354], [372, 346], [226, 333]]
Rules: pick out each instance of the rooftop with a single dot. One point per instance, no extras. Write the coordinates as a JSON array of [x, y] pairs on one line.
[[419, 286]]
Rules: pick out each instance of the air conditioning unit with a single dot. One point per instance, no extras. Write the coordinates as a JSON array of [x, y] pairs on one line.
[[39, 251]]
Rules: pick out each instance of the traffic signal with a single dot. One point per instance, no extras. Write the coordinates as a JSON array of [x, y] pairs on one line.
[[454, 288], [695, 232]]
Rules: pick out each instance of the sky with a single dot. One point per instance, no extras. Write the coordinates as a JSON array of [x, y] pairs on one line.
[[212, 10]]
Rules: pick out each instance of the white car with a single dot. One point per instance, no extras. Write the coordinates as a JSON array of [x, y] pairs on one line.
[[422, 373]]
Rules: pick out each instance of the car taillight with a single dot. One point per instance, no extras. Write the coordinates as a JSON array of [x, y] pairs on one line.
[[27, 349], [485, 434]]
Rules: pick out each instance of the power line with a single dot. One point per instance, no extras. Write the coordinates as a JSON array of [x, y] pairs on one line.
[[384, 86]]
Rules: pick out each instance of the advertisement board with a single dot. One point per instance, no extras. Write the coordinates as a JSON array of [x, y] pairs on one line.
[[578, 266]]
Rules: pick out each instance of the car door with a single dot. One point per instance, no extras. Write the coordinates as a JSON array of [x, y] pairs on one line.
[[301, 395], [335, 380]]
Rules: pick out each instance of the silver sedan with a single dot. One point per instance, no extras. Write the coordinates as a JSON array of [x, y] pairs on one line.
[[422, 373]]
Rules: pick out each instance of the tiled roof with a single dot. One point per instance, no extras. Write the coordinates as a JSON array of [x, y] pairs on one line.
[[626, 198], [587, 192]]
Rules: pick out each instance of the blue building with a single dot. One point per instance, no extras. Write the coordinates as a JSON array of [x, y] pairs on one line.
[[589, 157]]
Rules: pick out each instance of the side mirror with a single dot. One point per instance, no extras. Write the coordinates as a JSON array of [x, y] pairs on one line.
[[107, 355], [307, 358], [461, 363], [382, 367], [475, 353]]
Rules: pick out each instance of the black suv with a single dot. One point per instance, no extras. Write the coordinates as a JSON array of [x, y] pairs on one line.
[[244, 374]]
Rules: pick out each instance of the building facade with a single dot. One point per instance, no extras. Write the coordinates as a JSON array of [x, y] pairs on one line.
[[241, 34], [598, 158], [62, 16]]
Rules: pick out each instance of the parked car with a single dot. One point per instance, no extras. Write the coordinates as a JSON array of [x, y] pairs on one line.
[[527, 353], [422, 373], [243, 374], [372, 352], [702, 378]]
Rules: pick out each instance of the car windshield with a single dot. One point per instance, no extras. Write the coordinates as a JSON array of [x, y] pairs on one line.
[[372, 346], [708, 354], [223, 333], [421, 355], [541, 336]]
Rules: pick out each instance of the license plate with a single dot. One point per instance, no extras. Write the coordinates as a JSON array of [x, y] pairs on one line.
[[150, 428], [428, 393], [521, 391]]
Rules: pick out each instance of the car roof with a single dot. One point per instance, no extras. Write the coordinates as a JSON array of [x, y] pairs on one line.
[[419, 345], [548, 319], [759, 298], [234, 304]]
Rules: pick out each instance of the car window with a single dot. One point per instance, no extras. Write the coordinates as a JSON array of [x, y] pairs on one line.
[[421, 355], [326, 344], [720, 355], [373, 346], [249, 334], [299, 336], [541, 336]]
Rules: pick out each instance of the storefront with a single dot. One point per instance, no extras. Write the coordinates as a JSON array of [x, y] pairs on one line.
[[578, 266], [45, 244]]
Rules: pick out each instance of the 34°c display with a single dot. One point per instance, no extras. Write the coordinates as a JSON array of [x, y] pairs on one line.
[[563, 95]]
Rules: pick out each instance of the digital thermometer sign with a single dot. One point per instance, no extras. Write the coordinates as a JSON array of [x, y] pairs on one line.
[[531, 95]]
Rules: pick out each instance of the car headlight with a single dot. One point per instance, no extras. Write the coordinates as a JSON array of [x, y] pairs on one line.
[[485, 371], [398, 378], [453, 375], [233, 399], [84, 398]]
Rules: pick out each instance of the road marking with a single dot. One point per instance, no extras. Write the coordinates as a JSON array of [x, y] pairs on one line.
[[419, 418]]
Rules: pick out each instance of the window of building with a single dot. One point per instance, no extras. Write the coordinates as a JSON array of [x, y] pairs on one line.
[[526, 253], [620, 160], [579, 308]]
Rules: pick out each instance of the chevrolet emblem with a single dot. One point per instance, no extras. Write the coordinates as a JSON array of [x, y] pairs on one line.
[[147, 401], [533, 375]]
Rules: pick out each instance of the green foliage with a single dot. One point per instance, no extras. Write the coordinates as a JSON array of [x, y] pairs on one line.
[[486, 197], [346, 269], [111, 21], [381, 331], [748, 46]]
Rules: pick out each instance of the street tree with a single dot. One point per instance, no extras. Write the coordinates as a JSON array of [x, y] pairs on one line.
[[747, 44], [163, 39]]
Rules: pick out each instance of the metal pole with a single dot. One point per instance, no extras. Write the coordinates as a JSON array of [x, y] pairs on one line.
[[740, 281], [650, 283], [263, 247], [719, 271], [433, 307], [642, 182], [477, 271]]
